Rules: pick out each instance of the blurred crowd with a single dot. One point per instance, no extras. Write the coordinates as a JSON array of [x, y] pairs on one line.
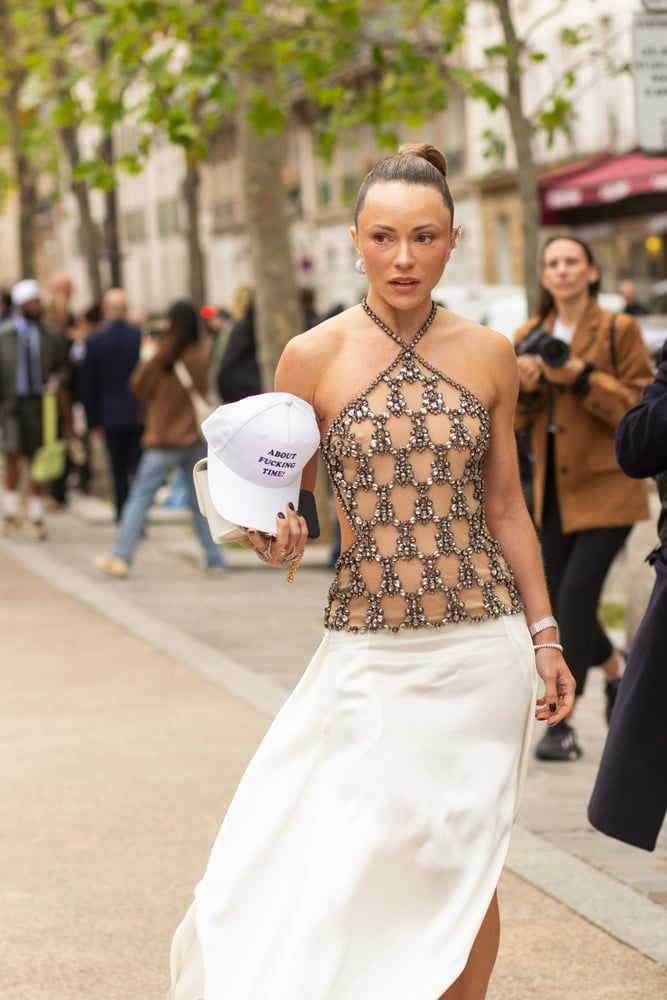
[[118, 401]]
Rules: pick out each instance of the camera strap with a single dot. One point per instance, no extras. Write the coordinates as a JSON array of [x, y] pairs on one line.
[[612, 341]]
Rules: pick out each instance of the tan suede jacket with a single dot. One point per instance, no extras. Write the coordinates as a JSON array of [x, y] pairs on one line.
[[170, 417], [592, 490]]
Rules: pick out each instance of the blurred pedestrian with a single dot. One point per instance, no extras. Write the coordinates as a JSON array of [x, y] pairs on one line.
[[581, 368], [86, 323], [5, 305], [218, 325], [33, 360], [629, 800], [58, 301], [311, 317], [633, 306], [172, 438], [112, 354], [58, 313], [239, 370]]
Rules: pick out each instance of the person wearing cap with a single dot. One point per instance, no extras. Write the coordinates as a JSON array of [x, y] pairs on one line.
[[218, 324], [361, 853], [33, 358], [171, 438]]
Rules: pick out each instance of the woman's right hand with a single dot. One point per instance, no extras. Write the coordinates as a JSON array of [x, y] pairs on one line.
[[530, 372], [286, 545]]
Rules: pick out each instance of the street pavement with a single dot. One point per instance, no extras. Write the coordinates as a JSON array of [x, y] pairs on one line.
[[130, 710]]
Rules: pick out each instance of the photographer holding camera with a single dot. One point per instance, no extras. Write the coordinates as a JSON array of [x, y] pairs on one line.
[[581, 368]]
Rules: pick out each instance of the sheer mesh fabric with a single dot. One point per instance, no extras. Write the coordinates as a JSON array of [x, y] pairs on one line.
[[405, 459]]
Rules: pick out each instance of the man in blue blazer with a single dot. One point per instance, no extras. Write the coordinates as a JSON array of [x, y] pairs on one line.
[[112, 354], [629, 799]]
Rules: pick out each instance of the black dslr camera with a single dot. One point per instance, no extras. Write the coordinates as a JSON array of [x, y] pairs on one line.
[[554, 352]]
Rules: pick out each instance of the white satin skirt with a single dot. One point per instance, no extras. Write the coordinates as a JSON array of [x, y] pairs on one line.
[[365, 841]]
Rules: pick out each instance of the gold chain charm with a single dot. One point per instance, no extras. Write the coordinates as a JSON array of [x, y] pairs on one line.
[[294, 567]]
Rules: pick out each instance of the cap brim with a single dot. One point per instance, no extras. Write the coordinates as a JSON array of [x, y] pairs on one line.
[[247, 504]]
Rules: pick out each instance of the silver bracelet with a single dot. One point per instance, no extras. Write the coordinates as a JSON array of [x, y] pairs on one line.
[[543, 623], [548, 645]]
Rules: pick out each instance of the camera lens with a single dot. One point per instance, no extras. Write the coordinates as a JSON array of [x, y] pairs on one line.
[[554, 352]]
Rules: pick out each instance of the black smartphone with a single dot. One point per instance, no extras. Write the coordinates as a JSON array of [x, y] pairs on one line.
[[308, 509]]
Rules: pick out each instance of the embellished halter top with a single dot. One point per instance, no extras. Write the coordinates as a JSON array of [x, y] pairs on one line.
[[406, 462]]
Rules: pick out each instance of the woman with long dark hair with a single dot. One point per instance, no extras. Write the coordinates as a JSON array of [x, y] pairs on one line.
[[171, 437], [581, 368]]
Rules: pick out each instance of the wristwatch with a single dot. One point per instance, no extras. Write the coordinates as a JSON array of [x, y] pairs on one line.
[[580, 386]]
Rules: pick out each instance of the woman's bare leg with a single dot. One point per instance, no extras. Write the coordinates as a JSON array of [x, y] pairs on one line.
[[473, 982]]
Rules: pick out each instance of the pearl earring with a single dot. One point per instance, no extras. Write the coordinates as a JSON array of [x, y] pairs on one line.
[[359, 266]]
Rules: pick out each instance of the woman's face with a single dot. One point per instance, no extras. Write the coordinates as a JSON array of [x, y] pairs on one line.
[[566, 272], [404, 237]]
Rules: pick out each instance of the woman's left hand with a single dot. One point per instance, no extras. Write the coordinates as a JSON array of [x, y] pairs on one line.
[[559, 684], [287, 544], [566, 375]]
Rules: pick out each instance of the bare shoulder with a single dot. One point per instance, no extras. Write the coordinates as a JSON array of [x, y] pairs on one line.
[[480, 358], [501, 358], [453, 325], [306, 357], [491, 341]]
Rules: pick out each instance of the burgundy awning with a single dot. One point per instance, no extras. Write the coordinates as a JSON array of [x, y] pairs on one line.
[[615, 179]]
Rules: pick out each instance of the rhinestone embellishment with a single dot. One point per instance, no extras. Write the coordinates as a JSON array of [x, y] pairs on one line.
[[406, 462]]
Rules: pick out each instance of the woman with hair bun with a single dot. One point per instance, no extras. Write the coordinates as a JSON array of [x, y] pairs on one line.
[[360, 856]]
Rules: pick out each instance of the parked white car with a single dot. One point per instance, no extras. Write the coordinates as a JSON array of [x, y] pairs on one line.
[[479, 302], [504, 308]]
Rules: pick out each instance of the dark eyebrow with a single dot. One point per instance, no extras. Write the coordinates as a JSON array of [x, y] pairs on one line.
[[415, 229]]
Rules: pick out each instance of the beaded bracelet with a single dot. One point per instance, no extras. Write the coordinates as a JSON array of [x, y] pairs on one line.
[[548, 645], [542, 624]]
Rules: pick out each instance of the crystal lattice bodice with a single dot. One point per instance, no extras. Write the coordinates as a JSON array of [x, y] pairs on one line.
[[406, 462]]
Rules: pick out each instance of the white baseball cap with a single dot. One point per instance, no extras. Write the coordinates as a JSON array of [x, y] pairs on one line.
[[26, 291], [257, 448]]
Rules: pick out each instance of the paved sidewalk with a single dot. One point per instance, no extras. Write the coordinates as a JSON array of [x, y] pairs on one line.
[[131, 709]]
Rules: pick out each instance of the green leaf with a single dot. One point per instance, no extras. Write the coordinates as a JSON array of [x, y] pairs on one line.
[[265, 116], [576, 36], [480, 90]]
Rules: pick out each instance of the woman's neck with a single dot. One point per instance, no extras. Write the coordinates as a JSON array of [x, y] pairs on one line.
[[570, 311], [403, 322]]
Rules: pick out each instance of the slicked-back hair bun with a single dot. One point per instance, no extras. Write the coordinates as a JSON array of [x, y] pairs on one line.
[[427, 152], [413, 163]]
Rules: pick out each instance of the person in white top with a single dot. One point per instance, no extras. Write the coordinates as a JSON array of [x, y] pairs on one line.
[[581, 368]]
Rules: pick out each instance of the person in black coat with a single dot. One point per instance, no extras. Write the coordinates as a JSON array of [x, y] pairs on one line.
[[239, 369], [112, 354], [629, 799]]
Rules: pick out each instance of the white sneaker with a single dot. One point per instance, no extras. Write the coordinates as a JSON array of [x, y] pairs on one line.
[[215, 572], [10, 526], [36, 531], [112, 565]]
